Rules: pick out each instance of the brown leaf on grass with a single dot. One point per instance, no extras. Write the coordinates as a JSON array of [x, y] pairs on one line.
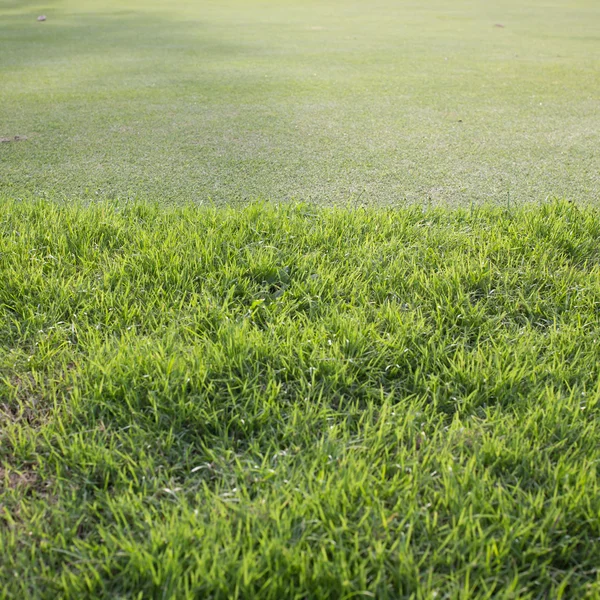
[[499, 25]]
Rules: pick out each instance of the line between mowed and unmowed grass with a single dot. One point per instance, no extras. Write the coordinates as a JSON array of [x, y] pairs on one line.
[[296, 401]]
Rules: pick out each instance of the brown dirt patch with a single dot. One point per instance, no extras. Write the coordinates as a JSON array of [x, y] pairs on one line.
[[18, 479], [16, 138], [29, 407]]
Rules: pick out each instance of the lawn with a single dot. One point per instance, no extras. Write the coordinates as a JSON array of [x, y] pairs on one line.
[[283, 401], [314, 100], [299, 299]]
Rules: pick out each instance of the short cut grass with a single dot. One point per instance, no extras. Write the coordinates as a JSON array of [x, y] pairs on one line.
[[298, 402], [316, 100]]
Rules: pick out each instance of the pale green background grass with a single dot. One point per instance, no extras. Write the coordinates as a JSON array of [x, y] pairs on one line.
[[327, 101]]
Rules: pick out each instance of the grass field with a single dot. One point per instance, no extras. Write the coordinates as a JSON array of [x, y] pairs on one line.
[[325, 101], [289, 307], [299, 402]]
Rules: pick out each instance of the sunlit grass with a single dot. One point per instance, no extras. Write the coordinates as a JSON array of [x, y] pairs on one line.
[[294, 402]]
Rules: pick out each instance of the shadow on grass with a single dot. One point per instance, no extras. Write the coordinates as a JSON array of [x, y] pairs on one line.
[[70, 36]]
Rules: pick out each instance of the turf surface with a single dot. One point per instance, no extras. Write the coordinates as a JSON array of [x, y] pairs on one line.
[[294, 402], [326, 101], [281, 400]]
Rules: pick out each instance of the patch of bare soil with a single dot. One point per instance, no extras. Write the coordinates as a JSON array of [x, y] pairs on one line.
[[29, 408], [18, 479], [16, 138]]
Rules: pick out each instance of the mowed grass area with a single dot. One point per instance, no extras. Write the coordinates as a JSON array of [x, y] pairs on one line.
[[299, 402], [319, 100], [386, 398]]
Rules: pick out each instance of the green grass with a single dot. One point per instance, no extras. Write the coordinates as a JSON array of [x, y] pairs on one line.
[[299, 402], [319, 100], [381, 399]]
